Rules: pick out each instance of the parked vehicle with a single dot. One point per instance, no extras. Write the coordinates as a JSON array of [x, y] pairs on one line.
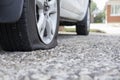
[[27, 25]]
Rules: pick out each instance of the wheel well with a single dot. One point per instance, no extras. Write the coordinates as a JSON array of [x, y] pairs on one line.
[[12, 12]]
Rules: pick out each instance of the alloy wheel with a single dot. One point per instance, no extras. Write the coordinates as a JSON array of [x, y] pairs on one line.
[[46, 17]]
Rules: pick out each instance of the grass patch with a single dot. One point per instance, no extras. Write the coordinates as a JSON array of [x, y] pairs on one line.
[[96, 30], [74, 30], [69, 29]]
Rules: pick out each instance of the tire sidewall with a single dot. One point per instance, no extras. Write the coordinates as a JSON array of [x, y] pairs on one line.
[[32, 27]]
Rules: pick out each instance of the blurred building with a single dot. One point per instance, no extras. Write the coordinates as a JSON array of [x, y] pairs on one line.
[[113, 11]]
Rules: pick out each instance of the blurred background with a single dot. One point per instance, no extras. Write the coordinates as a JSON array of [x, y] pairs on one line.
[[105, 17]]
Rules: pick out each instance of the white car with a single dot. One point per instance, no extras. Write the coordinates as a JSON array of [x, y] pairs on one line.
[[27, 25]]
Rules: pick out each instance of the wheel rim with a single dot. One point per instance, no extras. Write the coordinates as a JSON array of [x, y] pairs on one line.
[[88, 20], [46, 16]]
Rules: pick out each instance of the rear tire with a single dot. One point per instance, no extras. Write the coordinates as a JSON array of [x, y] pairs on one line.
[[24, 35], [83, 27]]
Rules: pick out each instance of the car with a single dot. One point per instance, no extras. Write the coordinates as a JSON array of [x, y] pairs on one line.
[[27, 25]]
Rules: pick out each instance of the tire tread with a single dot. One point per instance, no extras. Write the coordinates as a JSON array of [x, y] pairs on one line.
[[13, 35]]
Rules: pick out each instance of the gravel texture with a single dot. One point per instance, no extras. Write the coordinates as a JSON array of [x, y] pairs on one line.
[[93, 57]]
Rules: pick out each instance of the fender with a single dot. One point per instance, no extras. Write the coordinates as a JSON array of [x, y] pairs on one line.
[[10, 10]]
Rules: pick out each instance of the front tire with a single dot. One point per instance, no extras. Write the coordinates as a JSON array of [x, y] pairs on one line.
[[83, 27], [36, 29]]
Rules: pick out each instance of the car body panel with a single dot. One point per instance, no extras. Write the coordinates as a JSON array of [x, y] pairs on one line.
[[10, 10], [73, 9]]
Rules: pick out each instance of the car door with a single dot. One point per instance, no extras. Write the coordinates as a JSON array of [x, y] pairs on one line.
[[73, 9]]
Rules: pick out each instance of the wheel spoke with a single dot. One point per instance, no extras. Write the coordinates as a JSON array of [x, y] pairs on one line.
[[52, 2], [51, 29], [88, 20], [42, 31], [41, 25], [52, 6], [40, 3]]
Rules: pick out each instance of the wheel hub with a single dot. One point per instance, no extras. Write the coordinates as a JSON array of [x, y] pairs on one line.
[[46, 6]]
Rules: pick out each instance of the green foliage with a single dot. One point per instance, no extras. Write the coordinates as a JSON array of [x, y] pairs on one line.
[[93, 6], [100, 17]]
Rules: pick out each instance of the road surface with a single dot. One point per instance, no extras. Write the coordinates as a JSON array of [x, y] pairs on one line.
[[93, 57]]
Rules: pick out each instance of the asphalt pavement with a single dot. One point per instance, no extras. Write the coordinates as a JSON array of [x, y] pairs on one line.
[[93, 57]]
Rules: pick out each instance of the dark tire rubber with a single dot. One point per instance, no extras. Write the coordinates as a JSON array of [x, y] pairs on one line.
[[23, 34], [82, 28]]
